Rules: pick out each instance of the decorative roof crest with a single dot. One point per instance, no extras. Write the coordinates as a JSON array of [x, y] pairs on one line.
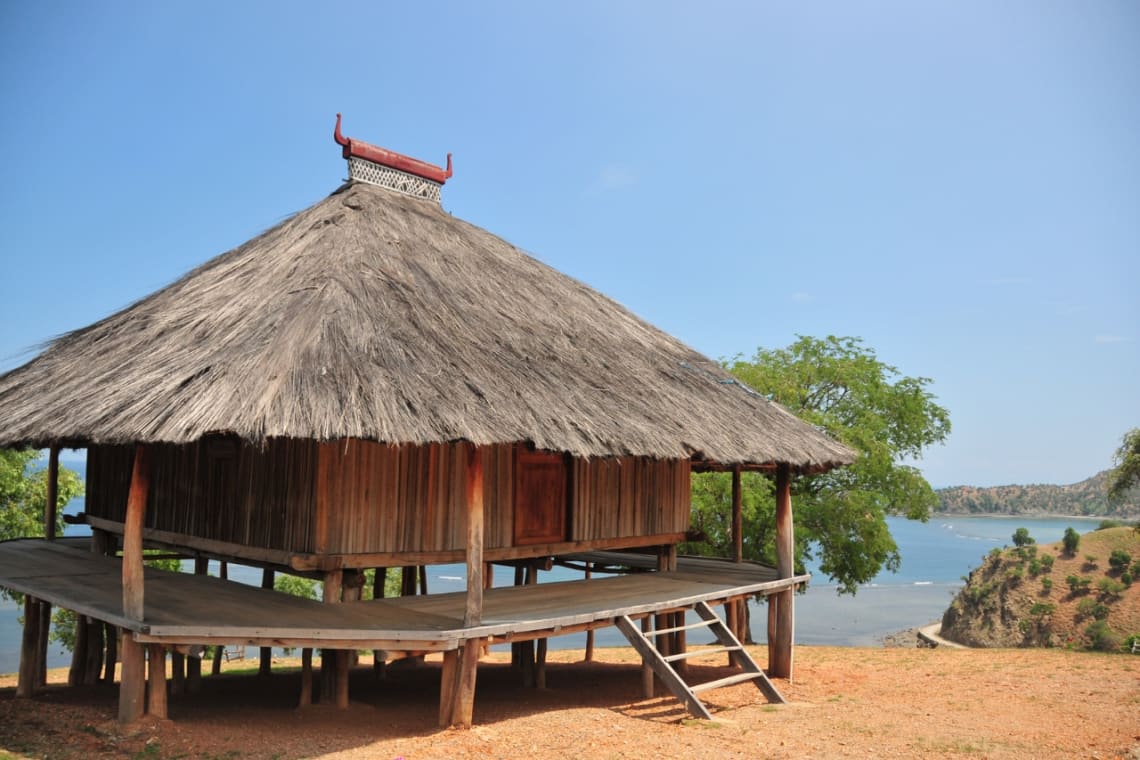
[[395, 171]]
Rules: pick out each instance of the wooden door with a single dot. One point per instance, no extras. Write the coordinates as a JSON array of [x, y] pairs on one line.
[[540, 498]]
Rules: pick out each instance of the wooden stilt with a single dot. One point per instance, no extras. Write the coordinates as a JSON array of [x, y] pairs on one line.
[[216, 663], [132, 684], [517, 647], [526, 648], [156, 681], [92, 666], [782, 654], [26, 676], [306, 677], [646, 668], [132, 687], [177, 673], [111, 634], [590, 633], [342, 656], [331, 667], [193, 675], [680, 643], [464, 698], [265, 655], [43, 632], [447, 685], [77, 674], [540, 664]]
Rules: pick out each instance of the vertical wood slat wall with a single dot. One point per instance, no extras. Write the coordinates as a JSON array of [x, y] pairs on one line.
[[380, 498]]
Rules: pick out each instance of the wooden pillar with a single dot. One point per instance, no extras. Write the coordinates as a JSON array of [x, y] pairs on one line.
[[589, 633], [132, 688], [646, 668], [330, 663], [26, 676], [781, 618], [110, 633], [306, 677], [78, 671], [379, 656], [265, 659], [737, 517], [156, 681], [42, 644], [457, 699], [177, 673]]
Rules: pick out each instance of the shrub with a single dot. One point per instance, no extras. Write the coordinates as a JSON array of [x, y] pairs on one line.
[[1109, 523], [1135, 569], [1046, 585], [1035, 567], [1101, 637], [1119, 560], [1021, 537], [1085, 608], [1110, 588], [1126, 579], [1078, 585], [1041, 609], [1047, 563], [1071, 541], [994, 553]]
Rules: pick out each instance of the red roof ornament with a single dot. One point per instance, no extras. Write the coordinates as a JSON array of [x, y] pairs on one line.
[[391, 159]]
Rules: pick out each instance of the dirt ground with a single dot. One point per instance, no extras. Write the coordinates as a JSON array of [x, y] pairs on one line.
[[844, 702]]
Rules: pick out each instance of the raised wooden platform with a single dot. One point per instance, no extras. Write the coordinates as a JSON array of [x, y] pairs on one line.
[[182, 608]]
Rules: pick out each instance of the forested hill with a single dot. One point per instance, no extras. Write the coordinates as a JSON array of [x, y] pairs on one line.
[[1084, 498]]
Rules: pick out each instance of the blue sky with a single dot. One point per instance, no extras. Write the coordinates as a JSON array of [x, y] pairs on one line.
[[958, 183]]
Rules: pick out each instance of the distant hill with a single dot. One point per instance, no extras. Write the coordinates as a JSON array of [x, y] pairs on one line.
[[1041, 596], [1087, 498]]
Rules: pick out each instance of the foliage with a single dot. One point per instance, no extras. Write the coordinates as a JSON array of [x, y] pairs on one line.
[[1078, 585], [1047, 563], [1101, 637], [1109, 588], [1021, 537], [1041, 609], [1119, 560], [23, 493], [1088, 498], [1106, 524], [1126, 470], [295, 585], [842, 388], [1071, 541], [1046, 585]]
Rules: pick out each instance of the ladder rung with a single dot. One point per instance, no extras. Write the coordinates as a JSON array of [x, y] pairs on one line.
[[738, 678], [689, 627], [699, 652]]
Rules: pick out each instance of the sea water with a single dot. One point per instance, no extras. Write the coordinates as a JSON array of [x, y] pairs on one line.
[[935, 557]]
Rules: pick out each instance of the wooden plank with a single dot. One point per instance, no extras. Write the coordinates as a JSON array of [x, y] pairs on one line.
[[236, 552], [661, 668]]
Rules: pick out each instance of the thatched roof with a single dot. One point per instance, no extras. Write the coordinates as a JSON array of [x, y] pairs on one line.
[[378, 316]]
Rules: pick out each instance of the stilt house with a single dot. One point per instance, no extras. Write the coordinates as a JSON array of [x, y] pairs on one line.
[[374, 383]]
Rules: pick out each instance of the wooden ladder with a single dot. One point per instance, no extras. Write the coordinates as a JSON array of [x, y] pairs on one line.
[[662, 665]]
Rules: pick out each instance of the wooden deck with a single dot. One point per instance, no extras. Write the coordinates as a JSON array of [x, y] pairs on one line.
[[182, 608]]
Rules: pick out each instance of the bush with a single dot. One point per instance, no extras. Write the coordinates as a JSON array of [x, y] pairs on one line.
[[1046, 585], [1071, 541], [1135, 569], [1047, 563], [1085, 608], [1106, 524], [1119, 560], [1021, 537], [1101, 637], [1110, 588], [1126, 579], [1078, 585], [1041, 609]]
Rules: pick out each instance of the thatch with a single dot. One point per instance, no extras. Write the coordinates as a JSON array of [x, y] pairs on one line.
[[377, 316]]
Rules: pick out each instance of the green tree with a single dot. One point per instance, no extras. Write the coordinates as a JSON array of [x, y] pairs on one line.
[[23, 493], [1021, 537], [1071, 541], [1126, 470], [841, 387]]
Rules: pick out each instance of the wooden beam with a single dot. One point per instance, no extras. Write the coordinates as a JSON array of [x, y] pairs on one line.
[[737, 517], [780, 652], [218, 549], [473, 608]]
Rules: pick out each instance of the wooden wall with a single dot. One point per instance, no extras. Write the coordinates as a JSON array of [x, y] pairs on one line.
[[348, 497]]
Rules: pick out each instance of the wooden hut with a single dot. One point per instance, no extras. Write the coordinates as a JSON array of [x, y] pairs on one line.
[[374, 383]]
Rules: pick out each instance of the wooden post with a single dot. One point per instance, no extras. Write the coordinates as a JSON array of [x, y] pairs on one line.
[[112, 638], [265, 659], [132, 689], [646, 668], [379, 662], [132, 682], [78, 671], [306, 677], [177, 673], [447, 684], [42, 644], [458, 702], [156, 681], [473, 607], [26, 677], [737, 517], [330, 663], [781, 617], [589, 633]]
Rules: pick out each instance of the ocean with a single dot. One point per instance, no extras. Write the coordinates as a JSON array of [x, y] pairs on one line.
[[935, 557]]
